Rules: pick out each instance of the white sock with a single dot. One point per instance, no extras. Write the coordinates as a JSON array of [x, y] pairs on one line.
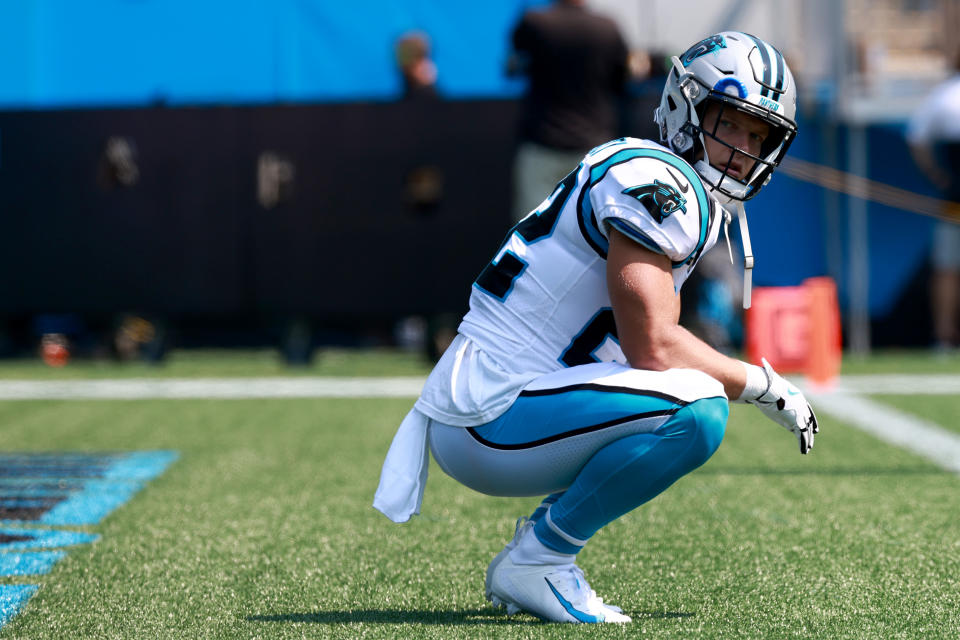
[[530, 550]]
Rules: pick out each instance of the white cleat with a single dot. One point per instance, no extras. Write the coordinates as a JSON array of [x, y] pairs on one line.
[[523, 523], [553, 593]]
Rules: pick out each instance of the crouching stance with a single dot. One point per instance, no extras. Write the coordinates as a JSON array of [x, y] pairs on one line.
[[570, 376]]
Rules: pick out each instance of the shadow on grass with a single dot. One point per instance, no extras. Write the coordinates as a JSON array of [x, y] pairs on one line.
[[825, 471], [397, 616], [465, 617], [660, 615]]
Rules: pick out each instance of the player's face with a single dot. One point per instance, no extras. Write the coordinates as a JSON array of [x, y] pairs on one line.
[[739, 130]]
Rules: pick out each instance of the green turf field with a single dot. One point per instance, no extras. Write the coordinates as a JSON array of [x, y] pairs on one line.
[[373, 362], [263, 529]]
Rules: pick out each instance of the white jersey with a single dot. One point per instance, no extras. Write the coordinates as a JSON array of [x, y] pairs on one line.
[[938, 118], [542, 302]]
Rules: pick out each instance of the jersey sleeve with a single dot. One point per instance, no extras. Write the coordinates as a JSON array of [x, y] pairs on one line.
[[657, 200]]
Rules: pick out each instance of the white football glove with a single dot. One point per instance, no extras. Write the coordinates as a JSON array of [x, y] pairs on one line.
[[783, 403]]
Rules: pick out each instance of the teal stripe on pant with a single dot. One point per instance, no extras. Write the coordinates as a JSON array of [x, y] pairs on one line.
[[633, 470], [535, 417]]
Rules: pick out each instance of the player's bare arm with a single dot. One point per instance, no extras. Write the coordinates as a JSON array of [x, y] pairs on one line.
[[647, 311]]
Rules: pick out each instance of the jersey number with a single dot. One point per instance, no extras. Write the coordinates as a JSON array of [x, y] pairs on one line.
[[497, 277], [590, 338]]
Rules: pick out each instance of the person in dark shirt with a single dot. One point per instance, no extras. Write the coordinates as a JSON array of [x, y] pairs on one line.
[[576, 62], [934, 139]]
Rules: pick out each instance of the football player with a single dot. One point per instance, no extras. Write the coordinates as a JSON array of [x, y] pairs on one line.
[[570, 376]]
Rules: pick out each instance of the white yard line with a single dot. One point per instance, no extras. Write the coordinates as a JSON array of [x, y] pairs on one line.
[[891, 425], [132, 389], [845, 401], [901, 384], [317, 387]]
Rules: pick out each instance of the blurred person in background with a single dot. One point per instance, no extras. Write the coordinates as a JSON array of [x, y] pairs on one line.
[[423, 180], [576, 63], [416, 66], [570, 376], [934, 138]]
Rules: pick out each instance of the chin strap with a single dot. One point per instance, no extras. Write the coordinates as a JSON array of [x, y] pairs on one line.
[[747, 255], [747, 250]]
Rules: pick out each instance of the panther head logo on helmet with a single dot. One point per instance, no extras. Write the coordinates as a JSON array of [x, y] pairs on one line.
[[702, 48]]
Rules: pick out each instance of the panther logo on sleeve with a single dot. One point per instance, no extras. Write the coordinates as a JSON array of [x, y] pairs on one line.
[[659, 199]]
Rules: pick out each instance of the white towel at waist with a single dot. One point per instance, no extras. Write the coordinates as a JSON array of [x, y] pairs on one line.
[[404, 474]]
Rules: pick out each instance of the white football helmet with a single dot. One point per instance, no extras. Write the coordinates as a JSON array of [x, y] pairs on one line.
[[738, 71]]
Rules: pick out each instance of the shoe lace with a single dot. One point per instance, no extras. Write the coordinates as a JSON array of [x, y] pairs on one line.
[[585, 595], [521, 523]]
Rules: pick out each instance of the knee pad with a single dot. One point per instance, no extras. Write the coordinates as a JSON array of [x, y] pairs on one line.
[[702, 423], [710, 415]]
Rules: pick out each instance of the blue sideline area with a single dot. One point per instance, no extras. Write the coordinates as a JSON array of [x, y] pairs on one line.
[[57, 489], [29, 563], [73, 490], [12, 599], [117, 52], [20, 539]]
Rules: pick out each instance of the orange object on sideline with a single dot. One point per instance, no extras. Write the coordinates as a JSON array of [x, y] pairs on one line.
[[797, 329], [826, 340], [55, 355]]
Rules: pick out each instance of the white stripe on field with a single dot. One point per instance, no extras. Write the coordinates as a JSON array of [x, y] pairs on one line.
[[210, 388], [893, 426], [317, 387], [901, 384], [884, 422]]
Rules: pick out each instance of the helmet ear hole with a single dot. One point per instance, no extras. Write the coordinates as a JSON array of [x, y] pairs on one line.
[[673, 105]]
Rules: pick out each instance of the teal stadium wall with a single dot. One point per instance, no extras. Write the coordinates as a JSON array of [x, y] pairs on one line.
[[132, 54]]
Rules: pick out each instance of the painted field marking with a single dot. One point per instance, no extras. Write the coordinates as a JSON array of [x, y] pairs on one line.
[[73, 489], [60, 489], [12, 599], [899, 384], [318, 387], [138, 388], [29, 563], [892, 426], [12, 539]]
